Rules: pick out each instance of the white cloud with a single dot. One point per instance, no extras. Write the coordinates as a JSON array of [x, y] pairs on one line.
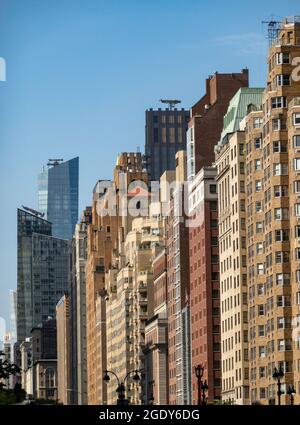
[[243, 44]]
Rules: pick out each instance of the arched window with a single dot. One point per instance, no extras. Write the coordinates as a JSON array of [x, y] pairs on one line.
[[50, 378]]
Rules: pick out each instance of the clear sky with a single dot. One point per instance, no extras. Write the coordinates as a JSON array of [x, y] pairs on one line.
[[80, 74]]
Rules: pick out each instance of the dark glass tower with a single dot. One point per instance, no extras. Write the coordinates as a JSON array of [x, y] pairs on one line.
[[58, 196], [43, 272], [165, 135]]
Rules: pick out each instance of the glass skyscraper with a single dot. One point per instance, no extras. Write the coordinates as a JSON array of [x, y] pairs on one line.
[[43, 272], [58, 196]]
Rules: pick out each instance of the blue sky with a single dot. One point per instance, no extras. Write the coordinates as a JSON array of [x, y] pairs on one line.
[[80, 74]]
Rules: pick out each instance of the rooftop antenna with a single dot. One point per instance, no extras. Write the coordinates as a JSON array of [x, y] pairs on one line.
[[170, 102], [273, 30], [54, 162]]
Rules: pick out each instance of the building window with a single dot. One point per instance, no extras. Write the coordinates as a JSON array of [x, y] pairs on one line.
[[257, 185], [214, 241], [282, 58], [279, 146], [282, 80], [258, 206], [260, 269], [213, 205], [297, 164], [297, 186], [280, 322], [296, 118], [259, 248], [257, 122], [50, 378], [296, 140], [278, 102], [214, 259], [215, 276], [257, 164], [280, 191], [282, 278], [213, 188], [259, 227], [262, 352], [297, 231], [297, 210], [281, 213], [298, 254], [280, 169], [281, 235], [214, 223], [282, 257], [257, 143]]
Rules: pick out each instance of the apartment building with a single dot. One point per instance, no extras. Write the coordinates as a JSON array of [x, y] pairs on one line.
[[177, 244], [204, 282], [64, 347], [156, 337], [78, 309], [272, 163], [130, 305], [111, 221], [230, 163]]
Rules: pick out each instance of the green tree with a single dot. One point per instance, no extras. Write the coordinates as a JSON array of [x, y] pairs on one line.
[[8, 369]]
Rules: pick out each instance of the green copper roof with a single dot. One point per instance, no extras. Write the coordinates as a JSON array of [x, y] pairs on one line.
[[237, 108]]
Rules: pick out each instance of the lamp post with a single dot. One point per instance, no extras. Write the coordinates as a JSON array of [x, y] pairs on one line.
[[121, 390], [199, 369], [291, 392], [278, 374]]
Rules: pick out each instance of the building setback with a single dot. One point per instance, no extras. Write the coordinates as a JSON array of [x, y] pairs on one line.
[[204, 282], [165, 135], [43, 272]]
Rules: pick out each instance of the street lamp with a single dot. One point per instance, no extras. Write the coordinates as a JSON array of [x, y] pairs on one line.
[[278, 374], [122, 400], [291, 392], [199, 374]]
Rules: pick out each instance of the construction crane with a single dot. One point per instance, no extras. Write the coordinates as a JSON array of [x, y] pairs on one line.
[[170, 102], [53, 162], [273, 30]]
